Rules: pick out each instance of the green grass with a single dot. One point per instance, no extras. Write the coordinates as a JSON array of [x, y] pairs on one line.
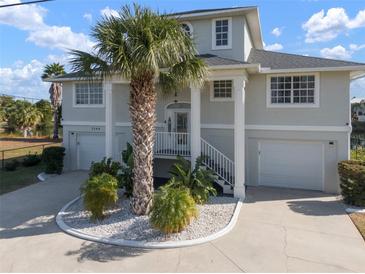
[[19, 178]]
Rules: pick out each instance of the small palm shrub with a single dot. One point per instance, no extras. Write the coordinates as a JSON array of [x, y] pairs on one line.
[[199, 181], [53, 158], [12, 165], [100, 194], [107, 165], [352, 176], [173, 209], [31, 160], [126, 175]]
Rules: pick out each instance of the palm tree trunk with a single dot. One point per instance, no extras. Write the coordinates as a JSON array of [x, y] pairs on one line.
[[55, 123], [142, 110]]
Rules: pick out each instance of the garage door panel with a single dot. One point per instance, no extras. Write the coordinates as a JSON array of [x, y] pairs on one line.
[[291, 164], [91, 147]]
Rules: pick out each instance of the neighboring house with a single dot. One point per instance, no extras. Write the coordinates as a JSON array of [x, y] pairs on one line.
[[358, 109], [263, 118]]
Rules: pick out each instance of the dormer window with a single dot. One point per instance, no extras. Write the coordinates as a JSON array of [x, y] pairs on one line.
[[187, 28], [222, 33]]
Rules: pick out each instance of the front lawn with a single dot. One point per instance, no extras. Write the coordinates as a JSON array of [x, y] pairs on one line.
[[21, 177], [359, 220]]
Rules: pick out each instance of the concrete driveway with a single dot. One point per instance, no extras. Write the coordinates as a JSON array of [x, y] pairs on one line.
[[278, 231]]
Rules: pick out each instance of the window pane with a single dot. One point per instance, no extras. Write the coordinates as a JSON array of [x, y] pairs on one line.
[[222, 89]]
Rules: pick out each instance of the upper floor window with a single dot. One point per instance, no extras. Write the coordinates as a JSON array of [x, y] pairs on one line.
[[222, 33], [293, 90], [187, 28], [88, 93], [222, 90]]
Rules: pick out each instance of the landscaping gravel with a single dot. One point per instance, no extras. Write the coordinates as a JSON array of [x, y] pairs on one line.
[[121, 223]]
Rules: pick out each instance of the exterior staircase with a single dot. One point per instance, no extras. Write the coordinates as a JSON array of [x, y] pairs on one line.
[[220, 164], [171, 144]]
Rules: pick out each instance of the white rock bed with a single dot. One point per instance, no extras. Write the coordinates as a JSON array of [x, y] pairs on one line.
[[121, 223]]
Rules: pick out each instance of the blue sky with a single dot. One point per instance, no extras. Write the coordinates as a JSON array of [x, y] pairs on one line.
[[34, 35]]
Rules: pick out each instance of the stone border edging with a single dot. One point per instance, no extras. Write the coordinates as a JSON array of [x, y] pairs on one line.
[[355, 210], [145, 244]]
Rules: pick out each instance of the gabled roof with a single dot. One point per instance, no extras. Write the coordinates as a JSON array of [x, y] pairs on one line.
[[209, 10], [214, 60], [282, 61]]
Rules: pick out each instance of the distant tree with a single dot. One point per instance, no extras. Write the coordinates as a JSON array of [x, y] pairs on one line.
[[45, 108], [55, 91], [5, 101], [23, 116]]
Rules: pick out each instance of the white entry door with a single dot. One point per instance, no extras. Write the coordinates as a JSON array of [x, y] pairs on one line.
[[90, 147], [291, 164]]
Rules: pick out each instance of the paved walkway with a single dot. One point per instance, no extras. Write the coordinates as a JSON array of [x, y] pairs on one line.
[[278, 231]]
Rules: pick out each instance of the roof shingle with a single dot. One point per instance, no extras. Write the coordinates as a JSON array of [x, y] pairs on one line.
[[278, 60]]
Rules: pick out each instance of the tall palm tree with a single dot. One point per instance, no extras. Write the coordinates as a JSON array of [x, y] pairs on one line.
[[147, 48], [55, 92]]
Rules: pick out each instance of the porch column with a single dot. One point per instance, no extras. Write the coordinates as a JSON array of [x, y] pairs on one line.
[[195, 147], [239, 136], [107, 86]]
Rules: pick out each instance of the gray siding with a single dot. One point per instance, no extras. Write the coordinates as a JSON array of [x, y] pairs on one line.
[[203, 38], [333, 110]]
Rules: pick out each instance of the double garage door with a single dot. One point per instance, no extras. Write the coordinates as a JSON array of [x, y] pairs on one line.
[[291, 164], [89, 147]]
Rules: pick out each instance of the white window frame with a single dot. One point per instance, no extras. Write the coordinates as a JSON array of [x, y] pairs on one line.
[[211, 87], [86, 105], [229, 46], [190, 26], [293, 105]]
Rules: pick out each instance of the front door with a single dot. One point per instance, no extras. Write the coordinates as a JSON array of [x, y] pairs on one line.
[[181, 126]]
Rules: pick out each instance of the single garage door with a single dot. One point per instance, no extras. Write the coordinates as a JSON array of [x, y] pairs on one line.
[[291, 164], [90, 147]]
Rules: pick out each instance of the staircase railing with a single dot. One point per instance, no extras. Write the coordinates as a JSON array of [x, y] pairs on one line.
[[172, 144], [218, 162]]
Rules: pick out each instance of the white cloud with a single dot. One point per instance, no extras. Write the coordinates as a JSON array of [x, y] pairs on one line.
[[24, 79], [60, 37], [88, 17], [355, 47], [30, 18], [107, 12], [25, 17], [274, 47], [337, 52], [325, 27], [277, 31]]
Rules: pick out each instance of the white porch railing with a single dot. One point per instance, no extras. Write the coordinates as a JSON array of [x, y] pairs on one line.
[[218, 162], [172, 144]]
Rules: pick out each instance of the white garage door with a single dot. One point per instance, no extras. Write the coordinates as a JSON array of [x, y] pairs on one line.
[[91, 147], [291, 164]]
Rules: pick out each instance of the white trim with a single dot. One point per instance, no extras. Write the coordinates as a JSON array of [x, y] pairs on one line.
[[299, 128], [108, 90], [229, 45], [317, 69], [86, 105], [294, 105], [129, 124], [82, 123], [211, 90], [217, 126], [195, 135], [206, 13]]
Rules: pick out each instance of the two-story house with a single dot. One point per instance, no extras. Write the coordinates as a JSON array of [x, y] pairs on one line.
[[262, 118]]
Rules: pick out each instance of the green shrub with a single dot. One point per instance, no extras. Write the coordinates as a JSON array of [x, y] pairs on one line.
[[53, 158], [352, 176], [126, 175], [100, 193], [199, 181], [11, 166], [173, 209], [105, 166], [31, 160]]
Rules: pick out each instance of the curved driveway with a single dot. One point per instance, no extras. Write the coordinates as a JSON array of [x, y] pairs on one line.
[[278, 231]]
